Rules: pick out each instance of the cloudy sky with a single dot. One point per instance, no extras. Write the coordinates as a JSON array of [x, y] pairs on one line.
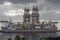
[[48, 9]]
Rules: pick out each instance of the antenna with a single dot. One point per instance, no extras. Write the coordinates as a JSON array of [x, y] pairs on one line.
[[10, 21]]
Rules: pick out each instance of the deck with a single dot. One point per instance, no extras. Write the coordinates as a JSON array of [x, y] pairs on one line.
[[29, 31]]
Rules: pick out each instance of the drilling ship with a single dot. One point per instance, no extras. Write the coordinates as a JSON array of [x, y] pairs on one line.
[[31, 28]]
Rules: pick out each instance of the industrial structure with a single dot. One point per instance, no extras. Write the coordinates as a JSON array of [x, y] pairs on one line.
[[31, 27]]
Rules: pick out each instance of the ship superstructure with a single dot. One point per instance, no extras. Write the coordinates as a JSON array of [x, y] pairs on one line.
[[31, 24]]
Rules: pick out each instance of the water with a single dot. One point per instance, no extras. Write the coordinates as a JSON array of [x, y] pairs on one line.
[[5, 36]]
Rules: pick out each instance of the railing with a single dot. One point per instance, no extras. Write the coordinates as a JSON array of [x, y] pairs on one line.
[[29, 31]]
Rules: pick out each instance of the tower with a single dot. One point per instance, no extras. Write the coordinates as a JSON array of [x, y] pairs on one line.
[[35, 14], [26, 16], [10, 23]]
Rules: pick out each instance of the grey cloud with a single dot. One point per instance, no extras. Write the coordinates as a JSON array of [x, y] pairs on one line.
[[1, 1], [19, 1], [48, 5], [54, 1], [23, 1], [51, 15], [43, 5]]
